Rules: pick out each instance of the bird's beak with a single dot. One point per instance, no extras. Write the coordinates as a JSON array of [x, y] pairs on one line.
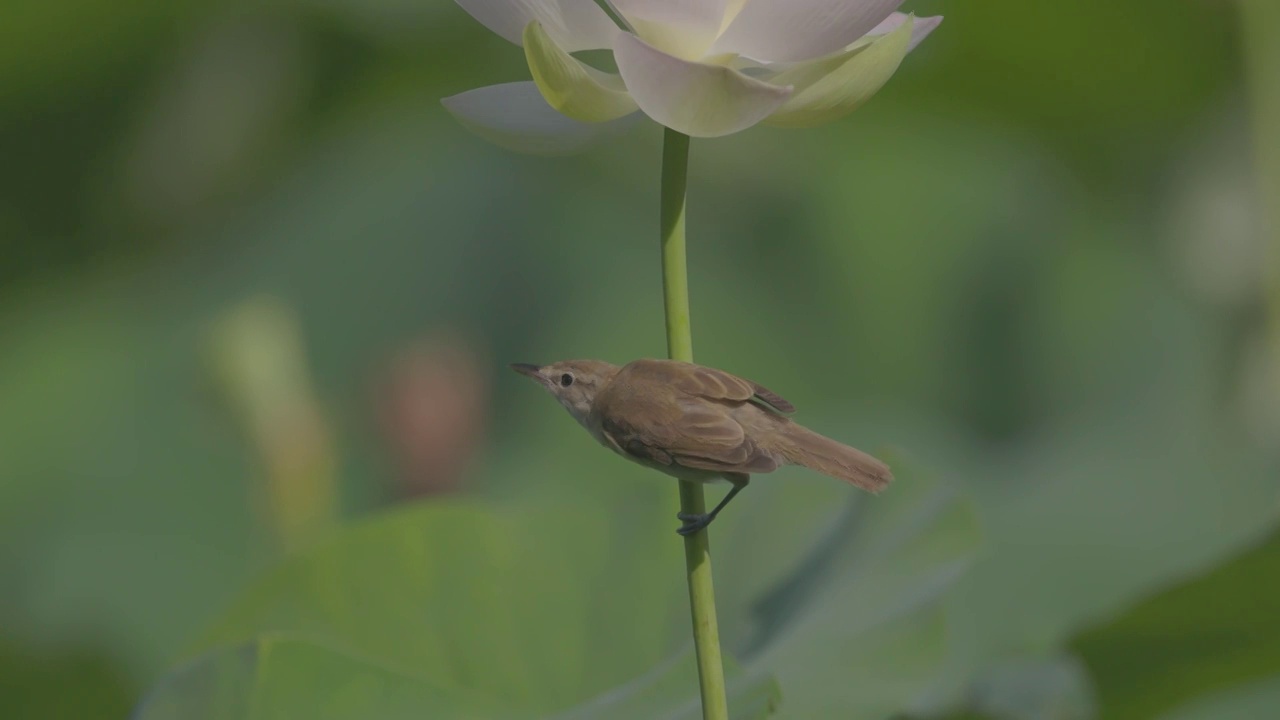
[[526, 369]]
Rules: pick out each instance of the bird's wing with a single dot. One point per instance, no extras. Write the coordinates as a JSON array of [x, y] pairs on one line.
[[704, 382], [681, 431]]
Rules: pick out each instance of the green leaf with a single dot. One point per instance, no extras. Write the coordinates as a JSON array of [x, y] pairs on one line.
[[542, 607], [1055, 688], [670, 692], [539, 609], [276, 677], [525, 606], [855, 627], [1211, 633], [1242, 702], [285, 678]]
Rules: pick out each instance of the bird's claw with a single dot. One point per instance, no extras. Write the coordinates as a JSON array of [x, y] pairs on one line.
[[692, 523]]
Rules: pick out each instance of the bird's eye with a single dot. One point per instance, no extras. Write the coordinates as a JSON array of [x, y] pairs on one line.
[[566, 380]]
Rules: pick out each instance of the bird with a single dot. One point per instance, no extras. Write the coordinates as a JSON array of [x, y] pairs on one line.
[[697, 423]]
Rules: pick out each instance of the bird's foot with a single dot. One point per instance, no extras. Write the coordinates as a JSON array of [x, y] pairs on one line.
[[693, 522]]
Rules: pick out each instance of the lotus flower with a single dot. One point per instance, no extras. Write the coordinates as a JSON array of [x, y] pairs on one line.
[[705, 68]]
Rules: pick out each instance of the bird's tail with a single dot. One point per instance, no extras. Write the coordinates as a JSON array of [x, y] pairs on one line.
[[802, 446]]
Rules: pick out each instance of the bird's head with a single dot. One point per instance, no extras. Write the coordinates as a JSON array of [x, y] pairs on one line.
[[573, 382]]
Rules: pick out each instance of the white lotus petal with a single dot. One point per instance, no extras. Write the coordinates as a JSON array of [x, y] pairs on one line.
[[731, 10], [570, 85], [832, 87], [684, 28], [573, 24], [515, 116], [693, 98], [791, 30], [919, 31]]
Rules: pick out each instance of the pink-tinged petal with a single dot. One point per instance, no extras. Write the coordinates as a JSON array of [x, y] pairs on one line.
[[515, 116], [773, 31], [693, 98], [919, 31], [573, 24], [684, 28]]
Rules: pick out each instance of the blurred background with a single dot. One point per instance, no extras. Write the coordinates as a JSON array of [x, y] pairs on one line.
[[254, 279]]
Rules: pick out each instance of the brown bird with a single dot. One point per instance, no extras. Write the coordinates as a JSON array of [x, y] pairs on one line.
[[697, 423]]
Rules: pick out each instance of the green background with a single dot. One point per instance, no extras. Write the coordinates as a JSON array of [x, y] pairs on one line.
[[1033, 265]]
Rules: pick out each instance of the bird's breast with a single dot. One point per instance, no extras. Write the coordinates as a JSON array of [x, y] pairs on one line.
[[675, 469]]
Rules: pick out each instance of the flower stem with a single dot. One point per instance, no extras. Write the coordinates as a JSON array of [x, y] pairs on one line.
[[697, 548], [1261, 31]]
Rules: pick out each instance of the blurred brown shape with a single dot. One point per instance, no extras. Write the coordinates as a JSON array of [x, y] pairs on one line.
[[432, 411]]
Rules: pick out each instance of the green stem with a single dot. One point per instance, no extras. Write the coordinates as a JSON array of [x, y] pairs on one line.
[[1262, 59], [697, 548]]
